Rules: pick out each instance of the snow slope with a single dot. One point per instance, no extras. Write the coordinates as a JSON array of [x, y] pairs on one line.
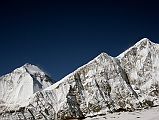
[[146, 114], [18, 86]]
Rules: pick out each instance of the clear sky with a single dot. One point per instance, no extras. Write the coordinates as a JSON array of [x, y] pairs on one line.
[[61, 36]]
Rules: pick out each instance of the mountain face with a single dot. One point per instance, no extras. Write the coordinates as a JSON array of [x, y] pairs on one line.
[[141, 64], [104, 85], [18, 86]]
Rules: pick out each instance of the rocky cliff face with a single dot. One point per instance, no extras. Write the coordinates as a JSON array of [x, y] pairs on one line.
[[105, 84]]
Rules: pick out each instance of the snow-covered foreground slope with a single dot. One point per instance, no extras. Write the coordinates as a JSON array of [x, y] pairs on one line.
[[104, 85], [146, 114], [18, 86]]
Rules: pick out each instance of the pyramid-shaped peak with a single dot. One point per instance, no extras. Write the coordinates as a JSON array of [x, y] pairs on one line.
[[24, 82], [101, 55], [27, 65], [143, 43], [144, 40], [30, 66], [32, 69]]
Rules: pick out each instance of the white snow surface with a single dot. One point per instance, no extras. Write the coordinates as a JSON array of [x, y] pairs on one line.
[[18, 86], [147, 114]]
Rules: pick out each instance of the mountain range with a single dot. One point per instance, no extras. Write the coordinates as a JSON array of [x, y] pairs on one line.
[[105, 85]]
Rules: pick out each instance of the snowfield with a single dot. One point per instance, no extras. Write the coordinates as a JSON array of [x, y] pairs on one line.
[[146, 114]]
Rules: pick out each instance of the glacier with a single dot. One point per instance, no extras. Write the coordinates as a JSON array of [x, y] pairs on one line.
[[104, 85]]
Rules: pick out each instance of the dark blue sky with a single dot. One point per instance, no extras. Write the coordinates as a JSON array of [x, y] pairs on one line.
[[61, 36]]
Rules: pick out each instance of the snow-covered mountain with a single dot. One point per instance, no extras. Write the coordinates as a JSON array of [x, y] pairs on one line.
[[18, 86], [106, 84], [141, 64]]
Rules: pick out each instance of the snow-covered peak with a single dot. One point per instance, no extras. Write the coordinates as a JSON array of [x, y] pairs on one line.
[[98, 59], [31, 69], [17, 86], [143, 43], [144, 40]]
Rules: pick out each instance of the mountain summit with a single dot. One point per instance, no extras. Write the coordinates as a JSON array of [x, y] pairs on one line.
[[19, 85], [104, 85], [145, 42]]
